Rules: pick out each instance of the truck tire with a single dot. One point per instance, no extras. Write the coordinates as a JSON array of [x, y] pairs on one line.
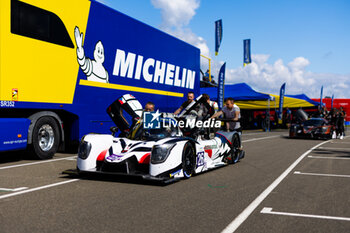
[[45, 138]]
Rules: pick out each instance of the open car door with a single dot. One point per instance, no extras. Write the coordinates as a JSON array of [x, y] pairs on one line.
[[125, 104], [194, 105]]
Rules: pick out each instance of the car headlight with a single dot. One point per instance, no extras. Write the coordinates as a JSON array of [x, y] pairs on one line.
[[84, 149], [161, 152]]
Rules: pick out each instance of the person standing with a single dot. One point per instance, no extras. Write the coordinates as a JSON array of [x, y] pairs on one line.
[[232, 114], [288, 118], [203, 111], [342, 115], [190, 98], [149, 107]]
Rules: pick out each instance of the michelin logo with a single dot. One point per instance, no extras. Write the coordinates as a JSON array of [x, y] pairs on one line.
[[131, 65], [164, 73]]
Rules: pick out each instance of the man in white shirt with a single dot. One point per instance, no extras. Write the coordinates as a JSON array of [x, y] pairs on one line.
[[230, 111]]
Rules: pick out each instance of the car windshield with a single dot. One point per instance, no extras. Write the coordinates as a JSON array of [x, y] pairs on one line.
[[162, 132], [167, 128], [313, 122]]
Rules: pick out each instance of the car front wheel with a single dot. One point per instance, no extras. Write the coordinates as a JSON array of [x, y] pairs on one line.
[[235, 149], [188, 160]]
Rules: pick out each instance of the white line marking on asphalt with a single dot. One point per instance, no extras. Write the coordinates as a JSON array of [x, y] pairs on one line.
[[38, 188], [253, 133], [334, 142], [324, 157], [334, 148], [320, 174], [34, 163], [267, 210], [256, 139], [19, 189], [13, 190], [252, 206], [72, 158]]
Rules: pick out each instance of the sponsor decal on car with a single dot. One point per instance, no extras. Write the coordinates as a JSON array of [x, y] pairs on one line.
[[114, 157], [174, 173], [200, 159], [209, 147]]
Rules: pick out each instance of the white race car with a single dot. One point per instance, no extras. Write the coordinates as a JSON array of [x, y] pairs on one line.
[[162, 153]]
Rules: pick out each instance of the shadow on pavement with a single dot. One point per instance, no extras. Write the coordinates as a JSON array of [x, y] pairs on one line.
[[13, 156], [116, 178], [333, 152]]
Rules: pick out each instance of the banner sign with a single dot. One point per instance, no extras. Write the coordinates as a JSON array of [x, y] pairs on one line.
[[321, 104], [221, 84], [282, 91], [218, 35], [246, 56], [332, 101]]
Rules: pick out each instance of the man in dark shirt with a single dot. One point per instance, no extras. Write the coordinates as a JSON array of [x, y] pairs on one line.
[[342, 116], [190, 98]]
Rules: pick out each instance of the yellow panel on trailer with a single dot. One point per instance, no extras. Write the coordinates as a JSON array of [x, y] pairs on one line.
[[40, 71]]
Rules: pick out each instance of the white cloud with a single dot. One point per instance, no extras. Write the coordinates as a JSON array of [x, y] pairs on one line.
[[268, 78], [262, 76], [176, 15]]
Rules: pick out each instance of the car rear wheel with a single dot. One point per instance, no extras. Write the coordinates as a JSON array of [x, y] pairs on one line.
[[188, 160]]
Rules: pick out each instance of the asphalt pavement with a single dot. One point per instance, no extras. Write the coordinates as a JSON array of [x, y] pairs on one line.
[[282, 185]]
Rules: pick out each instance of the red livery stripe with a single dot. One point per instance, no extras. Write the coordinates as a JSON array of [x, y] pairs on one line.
[[209, 152], [145, 158], [102, 155]]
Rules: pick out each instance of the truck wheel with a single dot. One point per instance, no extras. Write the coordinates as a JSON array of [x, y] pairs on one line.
[[45, 138], [188, 160]]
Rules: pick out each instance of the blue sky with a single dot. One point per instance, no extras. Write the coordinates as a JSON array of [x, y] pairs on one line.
[[304, 43]]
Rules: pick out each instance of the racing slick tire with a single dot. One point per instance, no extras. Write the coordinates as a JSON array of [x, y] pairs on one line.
[[188, 160], [235, 152], [46, 138]]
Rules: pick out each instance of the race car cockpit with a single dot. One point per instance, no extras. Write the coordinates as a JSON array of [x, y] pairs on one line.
[[127, 113]]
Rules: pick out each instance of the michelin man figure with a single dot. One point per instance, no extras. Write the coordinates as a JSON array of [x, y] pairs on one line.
[[93, 69]]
